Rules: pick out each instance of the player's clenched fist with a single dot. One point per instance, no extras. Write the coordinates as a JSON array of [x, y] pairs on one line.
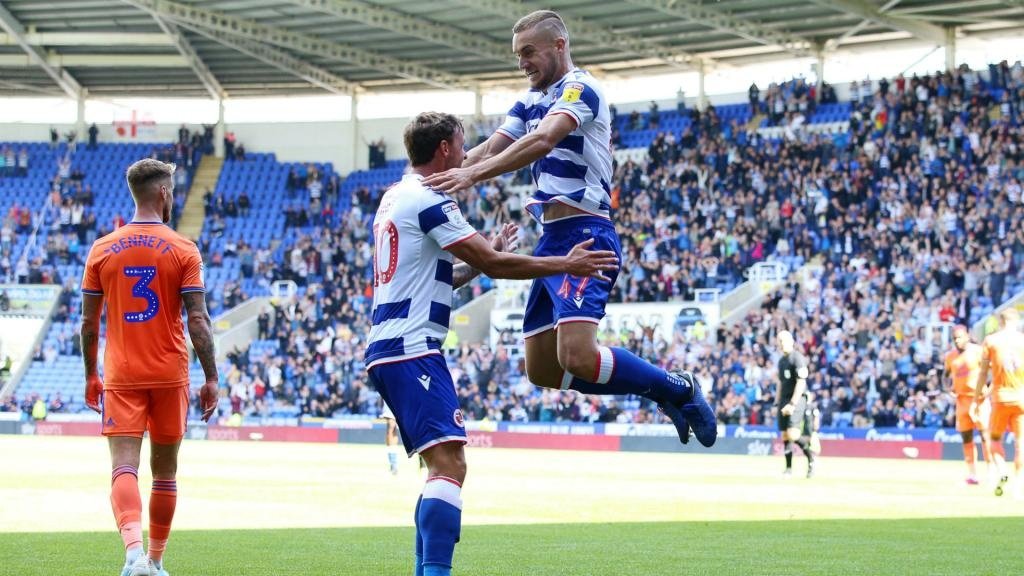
[[208, 399], [93, 389]]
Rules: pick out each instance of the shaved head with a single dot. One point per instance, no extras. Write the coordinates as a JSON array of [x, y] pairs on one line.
[[546, 24], [961, 337], [786, 341]]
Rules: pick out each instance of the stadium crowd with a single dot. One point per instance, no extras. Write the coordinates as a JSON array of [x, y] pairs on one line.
[[912, 218]]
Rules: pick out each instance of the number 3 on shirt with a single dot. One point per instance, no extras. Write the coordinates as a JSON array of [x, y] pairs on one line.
[[385, 239], [145, 275]]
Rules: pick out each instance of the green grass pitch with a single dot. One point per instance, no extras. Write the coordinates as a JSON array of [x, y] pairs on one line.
[[282, 509]]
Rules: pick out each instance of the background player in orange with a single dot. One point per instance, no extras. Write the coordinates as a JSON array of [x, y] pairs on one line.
[[962, 364], [144, 272], [1003, 352]]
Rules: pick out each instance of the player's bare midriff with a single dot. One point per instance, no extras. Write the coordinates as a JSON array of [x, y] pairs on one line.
[[557, 210]]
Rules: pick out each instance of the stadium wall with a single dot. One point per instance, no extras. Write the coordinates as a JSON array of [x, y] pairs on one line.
[[894, 443]]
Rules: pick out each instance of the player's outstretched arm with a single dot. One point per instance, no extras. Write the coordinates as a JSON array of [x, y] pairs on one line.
[[552, 130], [200, 329], [505, 240], [92, 307], [478, 253], [496, 144]]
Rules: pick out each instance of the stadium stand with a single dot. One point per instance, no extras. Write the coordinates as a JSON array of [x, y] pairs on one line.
[[909, 195]]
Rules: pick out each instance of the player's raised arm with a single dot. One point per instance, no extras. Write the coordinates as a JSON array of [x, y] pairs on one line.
[[494, 145], [533, 146], [478, 253], [200, 329], [92, 308]]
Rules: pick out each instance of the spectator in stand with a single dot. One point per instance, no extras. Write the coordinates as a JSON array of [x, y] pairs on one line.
[[94, 133]]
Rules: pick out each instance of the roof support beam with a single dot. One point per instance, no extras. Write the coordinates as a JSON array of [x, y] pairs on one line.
[[91, 39], [388, 19], [835, 42], [578, 28], [209, 81], [302, 43], [185, 49], [59, 61], [722, 21], [867, 11], [67, 83], [30, 88], [279, 59]]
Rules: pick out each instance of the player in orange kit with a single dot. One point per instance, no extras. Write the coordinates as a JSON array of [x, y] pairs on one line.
[[962, 364], [144, 272], [1003, 352]]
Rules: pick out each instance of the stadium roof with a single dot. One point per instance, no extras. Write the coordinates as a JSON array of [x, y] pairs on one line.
[[259, 47]]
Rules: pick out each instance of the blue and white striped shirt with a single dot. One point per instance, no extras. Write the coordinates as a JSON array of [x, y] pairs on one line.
[[412, 270], [578, 170]]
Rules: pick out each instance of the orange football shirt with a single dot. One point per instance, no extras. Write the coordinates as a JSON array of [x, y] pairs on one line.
[[1006, 356], [141, 270], [963, 367]]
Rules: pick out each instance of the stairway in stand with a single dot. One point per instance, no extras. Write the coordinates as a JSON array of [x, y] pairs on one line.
[[190, 225]]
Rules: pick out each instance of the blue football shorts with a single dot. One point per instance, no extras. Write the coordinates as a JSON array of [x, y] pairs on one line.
[[562, 298], [421, 394]]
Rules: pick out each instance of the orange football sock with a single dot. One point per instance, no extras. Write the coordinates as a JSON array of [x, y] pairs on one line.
[[127, 504], [162, 502]]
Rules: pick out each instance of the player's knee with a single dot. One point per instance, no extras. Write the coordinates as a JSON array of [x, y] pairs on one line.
[[543, 374], [580, 361], [447, 459], [164, 466]]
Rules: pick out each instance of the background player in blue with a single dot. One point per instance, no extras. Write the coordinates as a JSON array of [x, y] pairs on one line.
[[562, 126], [417, 230]]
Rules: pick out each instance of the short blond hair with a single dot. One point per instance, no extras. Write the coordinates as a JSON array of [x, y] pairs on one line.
[[146, 171], [548, 20]]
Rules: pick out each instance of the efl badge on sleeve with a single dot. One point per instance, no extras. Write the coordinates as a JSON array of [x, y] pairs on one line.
[[451, 210], [572, 91]]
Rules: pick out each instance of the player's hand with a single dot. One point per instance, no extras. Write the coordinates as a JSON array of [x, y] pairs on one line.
[[451, 180], [208, 395], [593, 263], [507, 239], [787, 410], [93, 389]]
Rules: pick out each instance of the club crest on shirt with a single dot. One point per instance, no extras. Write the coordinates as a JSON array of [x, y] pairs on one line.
[[785, 373], [572, 92], [457, 417]]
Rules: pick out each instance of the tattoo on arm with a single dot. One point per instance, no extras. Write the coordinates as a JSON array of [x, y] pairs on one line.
[[90, 345], [463, 273], [200, 329]]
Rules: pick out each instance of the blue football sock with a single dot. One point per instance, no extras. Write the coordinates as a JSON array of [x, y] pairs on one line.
[[625, 373], [440, 521], [418, 568]]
